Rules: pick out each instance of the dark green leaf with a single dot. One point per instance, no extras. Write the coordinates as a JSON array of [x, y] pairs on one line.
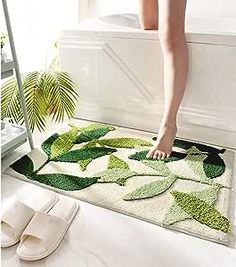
[[23, 166], [174, 156], [213, 166], [64, 181], [84, 154], [203, 148]]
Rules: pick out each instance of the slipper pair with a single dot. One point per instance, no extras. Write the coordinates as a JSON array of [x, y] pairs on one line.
[[39, 225]]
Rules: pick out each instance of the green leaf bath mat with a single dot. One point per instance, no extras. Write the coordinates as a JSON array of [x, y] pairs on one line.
[[107, 166]]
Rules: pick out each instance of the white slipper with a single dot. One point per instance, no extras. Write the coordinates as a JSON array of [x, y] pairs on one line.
[[15, 219], [45, 231]]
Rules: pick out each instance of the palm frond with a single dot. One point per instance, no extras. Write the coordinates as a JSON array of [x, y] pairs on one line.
[[46, 93], [10, 101], [34, 85], [61, 95]]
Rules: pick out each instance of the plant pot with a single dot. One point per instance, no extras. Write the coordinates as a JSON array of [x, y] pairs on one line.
[[3, 57]]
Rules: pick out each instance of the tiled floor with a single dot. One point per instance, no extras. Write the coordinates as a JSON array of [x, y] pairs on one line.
[[99, 237]]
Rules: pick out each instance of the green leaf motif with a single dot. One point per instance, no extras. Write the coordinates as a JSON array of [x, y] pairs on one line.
[[115, 162], [141, 155], [115, 175], [151, 189], [89, 135], [64, 181], [176, 214], [64, 143], [195, 162], [202, 211], [158, 165], [213, 166], [24, 166], [203, 148], [123, 142], [46, 145], [84, 154], [84, 163], [205, 166], [95, 126]]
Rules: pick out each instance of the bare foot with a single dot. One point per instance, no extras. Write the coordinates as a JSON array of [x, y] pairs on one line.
[[164, 143]]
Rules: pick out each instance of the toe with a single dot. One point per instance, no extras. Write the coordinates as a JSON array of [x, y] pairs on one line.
[[159, 154], [156, 154], [150, 154], [163, 155]]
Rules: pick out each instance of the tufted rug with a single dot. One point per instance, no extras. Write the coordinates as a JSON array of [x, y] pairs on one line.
[[107, 166]]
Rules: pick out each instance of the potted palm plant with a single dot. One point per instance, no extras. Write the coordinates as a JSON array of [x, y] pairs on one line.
[[50, 93], [4, 40]]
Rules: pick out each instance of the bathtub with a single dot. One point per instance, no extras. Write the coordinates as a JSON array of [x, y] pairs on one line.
[[119, 71]]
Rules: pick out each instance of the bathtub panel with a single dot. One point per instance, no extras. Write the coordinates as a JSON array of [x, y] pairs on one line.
[[211, 89], [96, 71], [121, 82]]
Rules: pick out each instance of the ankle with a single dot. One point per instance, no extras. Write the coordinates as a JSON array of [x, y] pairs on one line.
[[169, 124]]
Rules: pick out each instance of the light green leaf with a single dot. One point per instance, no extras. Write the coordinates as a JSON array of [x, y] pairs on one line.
[[64, 143], [115, 175], [95, 126], [115, 162], [159, 166], [176, 214], [202, 211], [84, 163], [94, 134], [152, 189], [47, 144], [123, 142], [195, 161]]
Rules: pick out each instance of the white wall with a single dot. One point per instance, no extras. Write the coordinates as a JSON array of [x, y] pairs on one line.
[[36, 25], [195, 8]]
